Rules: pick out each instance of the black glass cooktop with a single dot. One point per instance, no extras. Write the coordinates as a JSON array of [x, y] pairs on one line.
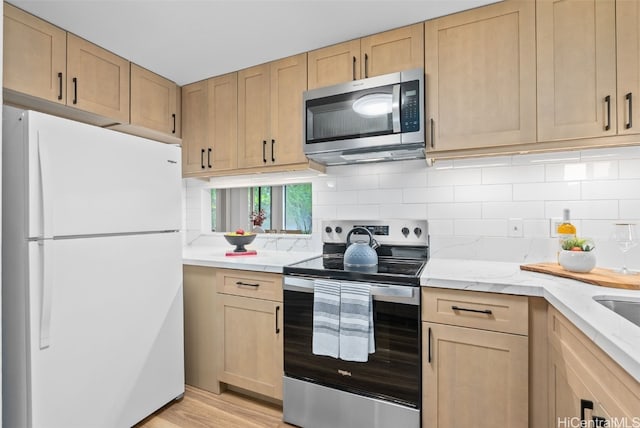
[[391, 270]]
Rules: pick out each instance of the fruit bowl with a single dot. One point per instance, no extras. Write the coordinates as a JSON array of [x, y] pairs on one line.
[[239, 240]]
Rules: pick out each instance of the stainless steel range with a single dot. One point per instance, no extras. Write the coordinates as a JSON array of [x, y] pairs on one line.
[[384, 391]]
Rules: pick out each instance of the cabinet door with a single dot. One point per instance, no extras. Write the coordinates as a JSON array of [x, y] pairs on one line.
[[628, 44], [395, 50], [34, 56], [154, 101], [481, 77], [334, 64], [579, 369], [223, 121], [288, 82], [253, 116], [473, 378], [199, 328], [251, 342], [195, 144], [97, 80], [576, 68]]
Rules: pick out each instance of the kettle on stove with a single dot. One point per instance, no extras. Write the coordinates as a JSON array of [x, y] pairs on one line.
[[361, 256]]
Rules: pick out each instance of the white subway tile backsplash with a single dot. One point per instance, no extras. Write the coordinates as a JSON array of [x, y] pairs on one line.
[[440, 227], [630, 168], [536, 229], [411, 211], [588, 210], [630, 209], [546, 191], [513, 174], [431, 194], [470, 210], [403, 181], [490, 192], [453, 177], [337, 198], [469, 201], [533, 209], [480, 227], [357, 182], [358, 212], [618, 189], [380, 196], [601, 170], [611, 153]]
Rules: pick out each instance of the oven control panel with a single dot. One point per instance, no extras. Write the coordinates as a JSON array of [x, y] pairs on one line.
[[391, 232]]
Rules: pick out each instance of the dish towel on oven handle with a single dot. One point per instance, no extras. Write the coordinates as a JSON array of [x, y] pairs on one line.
[[326, 318], [357, 339]]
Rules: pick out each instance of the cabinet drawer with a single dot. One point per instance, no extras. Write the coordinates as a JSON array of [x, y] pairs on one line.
[[259, 285], [487, 311]]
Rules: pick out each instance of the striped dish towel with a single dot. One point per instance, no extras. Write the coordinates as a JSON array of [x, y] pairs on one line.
[[357, 338], [326, 317]]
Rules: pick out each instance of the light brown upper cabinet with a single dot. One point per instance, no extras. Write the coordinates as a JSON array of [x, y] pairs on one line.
[[97, 80], [382, 53], [35, 56], [394, 50], [480, 70], [270, 113], [154, 102], [195, 142], [628, 56], [210, 117], [334, 64], [576, 46]]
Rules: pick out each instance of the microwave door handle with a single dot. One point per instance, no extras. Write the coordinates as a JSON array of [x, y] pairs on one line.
[[395, 108]]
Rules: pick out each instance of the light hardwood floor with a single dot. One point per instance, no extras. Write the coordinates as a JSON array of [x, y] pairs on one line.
[[202, 409]]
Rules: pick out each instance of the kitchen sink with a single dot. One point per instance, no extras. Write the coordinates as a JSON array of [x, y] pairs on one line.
[[626, 307]]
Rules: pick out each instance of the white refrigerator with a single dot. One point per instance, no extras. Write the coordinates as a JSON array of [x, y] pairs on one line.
[[92, 309]]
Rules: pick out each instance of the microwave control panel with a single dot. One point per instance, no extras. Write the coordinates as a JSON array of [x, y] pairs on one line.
[[410, 110]]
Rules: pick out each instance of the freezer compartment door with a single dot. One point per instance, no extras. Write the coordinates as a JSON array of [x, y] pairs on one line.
[[114, 352], [85, 180]]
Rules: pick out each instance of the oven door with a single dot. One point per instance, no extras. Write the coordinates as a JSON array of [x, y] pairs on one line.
[[391, 374]]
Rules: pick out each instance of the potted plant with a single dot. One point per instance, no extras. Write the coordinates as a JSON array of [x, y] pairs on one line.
[[257, 218], [577, 255]]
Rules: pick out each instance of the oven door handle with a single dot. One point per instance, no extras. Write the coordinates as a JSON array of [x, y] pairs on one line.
[[378, 291]]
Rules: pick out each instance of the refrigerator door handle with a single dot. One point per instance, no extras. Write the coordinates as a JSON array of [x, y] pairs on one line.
[[47, 292], [47, 192]]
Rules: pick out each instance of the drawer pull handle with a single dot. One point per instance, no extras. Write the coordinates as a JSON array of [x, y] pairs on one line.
[[479, 311], [429, 349], [629, 99], [607, 101], [248, 284]]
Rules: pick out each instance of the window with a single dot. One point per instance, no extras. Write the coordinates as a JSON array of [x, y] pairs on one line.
[[297, 207], [260, 200], [287, 208]]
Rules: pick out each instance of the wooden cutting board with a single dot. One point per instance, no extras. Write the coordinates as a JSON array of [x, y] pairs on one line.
[[598, 276]]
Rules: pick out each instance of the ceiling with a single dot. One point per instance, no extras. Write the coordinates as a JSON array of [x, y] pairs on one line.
[[187, 40]]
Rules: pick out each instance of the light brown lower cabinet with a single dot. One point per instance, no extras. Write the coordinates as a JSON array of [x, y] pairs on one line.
[[199, 285], [473, 376], [585, 385], [249, 333]]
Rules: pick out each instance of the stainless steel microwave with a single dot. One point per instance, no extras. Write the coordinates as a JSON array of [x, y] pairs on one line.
[[376, 119]]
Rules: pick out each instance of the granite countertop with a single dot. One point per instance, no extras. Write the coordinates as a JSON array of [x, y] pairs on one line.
[[264, 261], [619, 338]]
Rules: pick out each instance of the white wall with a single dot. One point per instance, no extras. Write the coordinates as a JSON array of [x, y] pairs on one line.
[[469, 202]]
